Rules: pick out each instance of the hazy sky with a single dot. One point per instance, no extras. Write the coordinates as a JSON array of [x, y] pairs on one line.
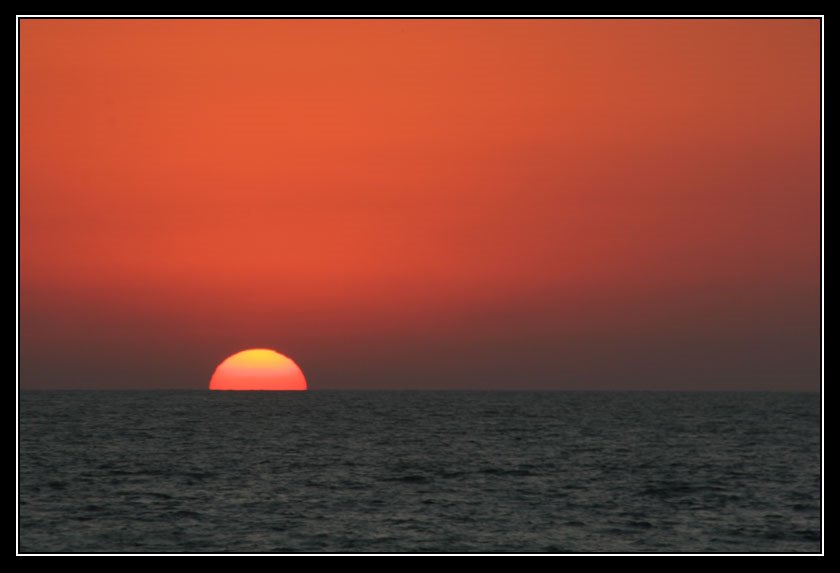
[[550, 204]]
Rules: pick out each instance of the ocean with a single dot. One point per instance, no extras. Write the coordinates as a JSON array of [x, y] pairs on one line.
[[412, 472]]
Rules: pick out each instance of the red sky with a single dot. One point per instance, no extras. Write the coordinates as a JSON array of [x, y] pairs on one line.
[[535, 204]]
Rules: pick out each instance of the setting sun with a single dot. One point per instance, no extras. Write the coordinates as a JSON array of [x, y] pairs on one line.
[[258, 369]]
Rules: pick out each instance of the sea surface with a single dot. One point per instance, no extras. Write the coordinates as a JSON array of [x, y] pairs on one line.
[[552, 472]]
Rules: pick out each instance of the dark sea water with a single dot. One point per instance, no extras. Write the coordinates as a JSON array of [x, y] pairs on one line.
[[419, 472]]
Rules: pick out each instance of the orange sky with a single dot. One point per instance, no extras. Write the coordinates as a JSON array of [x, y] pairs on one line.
[[426, 203]]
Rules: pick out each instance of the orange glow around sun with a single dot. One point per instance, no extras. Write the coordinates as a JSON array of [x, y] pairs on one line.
[[258, 369]]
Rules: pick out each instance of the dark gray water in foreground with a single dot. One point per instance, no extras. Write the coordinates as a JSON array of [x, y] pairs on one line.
[[419, 472]]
